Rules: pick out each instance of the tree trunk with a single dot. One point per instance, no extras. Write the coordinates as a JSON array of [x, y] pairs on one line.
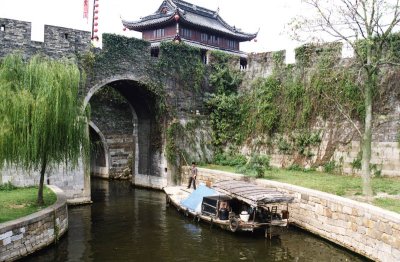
[[40, 200], [367, 138]]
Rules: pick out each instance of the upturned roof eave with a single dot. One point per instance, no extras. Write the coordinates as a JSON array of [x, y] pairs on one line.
[[140, 27], [177, 8], [236, 35]]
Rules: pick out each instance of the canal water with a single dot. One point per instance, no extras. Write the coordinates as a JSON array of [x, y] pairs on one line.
[[130, 224]]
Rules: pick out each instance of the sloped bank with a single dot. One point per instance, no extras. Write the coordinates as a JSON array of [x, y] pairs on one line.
[[23, 236], [362, 228]]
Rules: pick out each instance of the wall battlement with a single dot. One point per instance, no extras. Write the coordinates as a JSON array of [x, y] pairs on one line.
[[16, 35]]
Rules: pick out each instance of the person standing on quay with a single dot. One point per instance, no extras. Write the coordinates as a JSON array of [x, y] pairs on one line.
[[193, 175]]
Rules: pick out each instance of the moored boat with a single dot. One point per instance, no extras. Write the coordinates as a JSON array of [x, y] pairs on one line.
[[234, 205]]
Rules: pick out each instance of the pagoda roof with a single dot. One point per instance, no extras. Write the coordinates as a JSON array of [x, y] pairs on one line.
[[189, 14]]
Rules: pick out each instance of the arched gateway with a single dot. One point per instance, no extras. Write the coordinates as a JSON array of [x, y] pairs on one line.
[[123, 116]]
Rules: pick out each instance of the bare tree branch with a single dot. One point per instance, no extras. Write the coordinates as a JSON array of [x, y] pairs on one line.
[[342, 111]]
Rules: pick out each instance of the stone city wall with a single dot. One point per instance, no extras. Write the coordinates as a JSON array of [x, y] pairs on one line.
[[365, 229], [23, 236], [15, 36], [74, 182], [340, 141], [58, 41]]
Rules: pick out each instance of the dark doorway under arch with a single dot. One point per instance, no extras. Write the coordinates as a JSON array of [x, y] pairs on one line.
[[124, 111], [98, 155]]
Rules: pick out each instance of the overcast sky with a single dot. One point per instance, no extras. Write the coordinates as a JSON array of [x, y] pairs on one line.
[[269, 16]]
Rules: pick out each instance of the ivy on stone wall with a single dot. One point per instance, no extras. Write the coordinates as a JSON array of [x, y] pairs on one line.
[[285, 105], [117, 44], [172, 149], [117, 49], [182, 64], [224, 78], [183, 140], [391, 48], [292, 98], [225, 116], [260, 107]]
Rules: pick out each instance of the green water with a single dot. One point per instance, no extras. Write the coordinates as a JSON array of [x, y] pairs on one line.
[[128, 224]]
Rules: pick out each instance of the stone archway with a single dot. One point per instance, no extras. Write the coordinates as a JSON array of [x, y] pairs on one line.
[[130, 133]]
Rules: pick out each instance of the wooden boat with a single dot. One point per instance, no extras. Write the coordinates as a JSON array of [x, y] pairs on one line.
[[234, 206]]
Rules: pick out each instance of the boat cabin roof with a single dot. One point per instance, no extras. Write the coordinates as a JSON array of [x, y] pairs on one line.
[[219, 198], [251, 194]]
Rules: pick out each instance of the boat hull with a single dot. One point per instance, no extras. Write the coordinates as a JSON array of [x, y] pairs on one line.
[[174, 196]]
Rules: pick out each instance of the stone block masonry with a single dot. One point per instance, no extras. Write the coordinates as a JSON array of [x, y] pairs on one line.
[[365, 229], [23, 236], [340, 142], [58, 41]]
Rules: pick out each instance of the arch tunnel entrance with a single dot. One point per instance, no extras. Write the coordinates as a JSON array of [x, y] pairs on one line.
[[98, 154], [125, 137]]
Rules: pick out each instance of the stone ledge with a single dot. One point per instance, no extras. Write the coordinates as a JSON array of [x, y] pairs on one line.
[[365, 229], [147, 181], [79, 201], [395, 217], [40, 229], [37, 216]]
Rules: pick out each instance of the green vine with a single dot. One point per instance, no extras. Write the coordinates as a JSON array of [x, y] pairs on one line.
[[288, 102], [182, 145], [182, 64], [174, 130]]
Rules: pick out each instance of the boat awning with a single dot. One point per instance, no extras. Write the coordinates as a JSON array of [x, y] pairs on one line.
[[253, 195]]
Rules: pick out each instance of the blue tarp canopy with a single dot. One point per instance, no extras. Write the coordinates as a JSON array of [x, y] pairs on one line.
[[194, 200]]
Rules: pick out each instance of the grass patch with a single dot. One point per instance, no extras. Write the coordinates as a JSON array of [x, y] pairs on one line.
[[230, 169], [330, 183], [388, 203], [20, 202]]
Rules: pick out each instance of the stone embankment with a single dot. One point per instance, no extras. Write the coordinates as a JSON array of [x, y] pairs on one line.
[[365, 229], [23, 236]]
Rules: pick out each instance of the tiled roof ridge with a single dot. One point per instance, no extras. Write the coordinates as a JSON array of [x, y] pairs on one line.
[[155, 15], [194, 8], [185, 8], [212, 14]]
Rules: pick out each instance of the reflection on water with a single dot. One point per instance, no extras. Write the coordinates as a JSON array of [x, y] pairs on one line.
[[128, 224]]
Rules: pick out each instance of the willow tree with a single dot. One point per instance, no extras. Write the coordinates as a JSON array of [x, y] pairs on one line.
[[366, 26], [41, 120]]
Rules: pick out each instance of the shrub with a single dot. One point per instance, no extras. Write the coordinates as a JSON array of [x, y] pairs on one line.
[[7, 186], [295, 167], [225, 159], [356, 164], [330, 166], [258, 164], [377, 172]]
